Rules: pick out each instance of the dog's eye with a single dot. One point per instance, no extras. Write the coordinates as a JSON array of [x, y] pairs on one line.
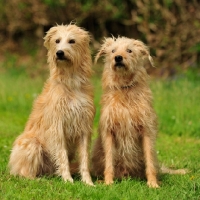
[[57, 41], [72, 41], [129, 51], [113, 51]]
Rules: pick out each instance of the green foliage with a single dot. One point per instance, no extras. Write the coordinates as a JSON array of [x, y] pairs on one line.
[[164, 25], [195, 48], [52, 3]]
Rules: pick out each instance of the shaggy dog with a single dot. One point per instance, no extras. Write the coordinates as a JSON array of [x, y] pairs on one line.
[[62, 116], [128, 126]]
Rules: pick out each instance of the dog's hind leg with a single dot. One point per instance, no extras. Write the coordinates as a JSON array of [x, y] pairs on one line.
[[26, 157], [150, 161]]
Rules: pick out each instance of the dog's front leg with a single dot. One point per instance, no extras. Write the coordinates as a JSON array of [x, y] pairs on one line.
[[109, 169], [62, 163], [84, 157], [150, 161]]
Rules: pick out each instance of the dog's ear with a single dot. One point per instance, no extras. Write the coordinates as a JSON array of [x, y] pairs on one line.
[[144, 50], [147, 56], [85, 34], [104, 46], [151, 61], [48, 36]]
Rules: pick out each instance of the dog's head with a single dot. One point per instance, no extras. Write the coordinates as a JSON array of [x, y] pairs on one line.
[[124, 54], [66, 44]]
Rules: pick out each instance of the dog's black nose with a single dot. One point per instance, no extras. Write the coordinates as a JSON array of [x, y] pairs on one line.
[[118, 58], [60, 54]]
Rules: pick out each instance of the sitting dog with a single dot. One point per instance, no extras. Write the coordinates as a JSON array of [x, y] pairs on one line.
[[62, 117], [128, 125]]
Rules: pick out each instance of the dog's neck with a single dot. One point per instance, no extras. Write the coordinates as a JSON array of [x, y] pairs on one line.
[[129, 86], [113, 81], [69, 76], [127, 82]]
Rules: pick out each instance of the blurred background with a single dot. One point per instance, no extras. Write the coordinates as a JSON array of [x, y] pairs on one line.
[[171, 28]]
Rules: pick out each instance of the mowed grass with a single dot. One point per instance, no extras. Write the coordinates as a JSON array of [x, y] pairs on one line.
[[177, 105]]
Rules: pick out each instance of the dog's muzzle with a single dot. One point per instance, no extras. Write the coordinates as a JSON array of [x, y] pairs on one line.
[[119, 61], [60, 55]]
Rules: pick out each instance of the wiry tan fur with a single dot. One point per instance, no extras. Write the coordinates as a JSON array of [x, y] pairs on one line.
[[128, 125], [62, 116]]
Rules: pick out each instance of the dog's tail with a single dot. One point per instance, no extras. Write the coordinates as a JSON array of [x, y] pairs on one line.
[[26, 157], [166, 170]]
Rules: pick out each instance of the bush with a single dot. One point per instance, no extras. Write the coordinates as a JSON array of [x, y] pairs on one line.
[[170, 28]]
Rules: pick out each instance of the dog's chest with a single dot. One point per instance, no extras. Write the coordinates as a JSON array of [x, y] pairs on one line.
[[124, 115], [73, 109], [127, 122], [68, 101], [76, 106]]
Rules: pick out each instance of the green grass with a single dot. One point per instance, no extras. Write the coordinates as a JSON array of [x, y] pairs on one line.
[[178, 145], [177, 105]]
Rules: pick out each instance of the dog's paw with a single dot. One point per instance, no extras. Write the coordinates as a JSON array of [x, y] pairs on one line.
[[153, 184], [88, 182], [109, 181], [68, 178], [86, 178]]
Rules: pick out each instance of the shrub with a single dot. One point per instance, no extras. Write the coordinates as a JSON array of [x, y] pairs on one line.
[[170, 28]]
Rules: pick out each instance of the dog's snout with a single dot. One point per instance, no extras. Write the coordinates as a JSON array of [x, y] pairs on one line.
[[118, 58], [119, 62], [60, 54]]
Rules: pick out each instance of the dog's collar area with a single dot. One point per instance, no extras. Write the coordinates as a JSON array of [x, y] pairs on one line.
[[129, 86]]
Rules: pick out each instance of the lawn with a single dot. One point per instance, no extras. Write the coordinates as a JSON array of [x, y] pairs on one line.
[[176, 102]]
